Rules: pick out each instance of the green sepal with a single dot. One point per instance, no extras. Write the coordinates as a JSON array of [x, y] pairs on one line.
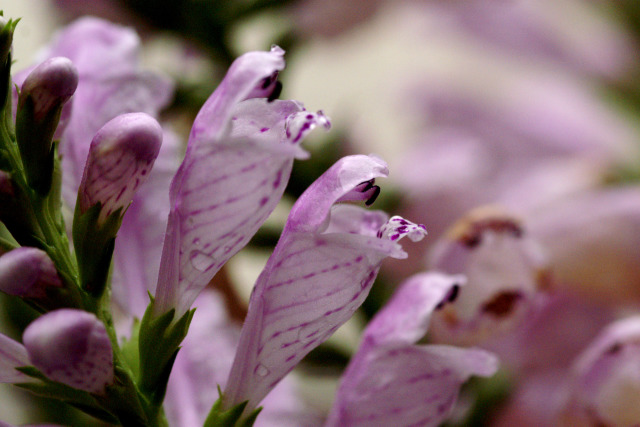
[[6, 39], [54, 390], [7, 241], [18, 217], [231, 417], [94, 243], [129, 349], [158, 345], [35, 141]]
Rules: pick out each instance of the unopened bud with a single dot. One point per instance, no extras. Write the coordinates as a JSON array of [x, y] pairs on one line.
[[120, 159], [27, 272], [505, 269], [121, 155], [49, 86], [71, 347], [42, 97]]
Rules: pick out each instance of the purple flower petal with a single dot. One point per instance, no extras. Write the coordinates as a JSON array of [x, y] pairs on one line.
[[12, 355], [138, 248], [318, 275], [392, 381], [120, 158], [27, 272], [110, 83], [72, 347], [505, 269], [605, 381], [233, 175]]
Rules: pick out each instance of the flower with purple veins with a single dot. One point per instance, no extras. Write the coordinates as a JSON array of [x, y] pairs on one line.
[[391, 380], [237, 165], [319, 273]]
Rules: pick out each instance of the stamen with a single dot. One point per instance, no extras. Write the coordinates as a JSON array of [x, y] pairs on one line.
[[275, 93], [374, 196]]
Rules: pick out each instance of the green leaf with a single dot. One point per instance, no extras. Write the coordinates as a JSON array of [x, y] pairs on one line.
[[231, 417], [159, 342], [94, 243]]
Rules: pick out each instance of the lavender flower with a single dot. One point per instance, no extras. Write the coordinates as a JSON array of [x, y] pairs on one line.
[[505, 269], [12, 355], [27, 272], [204, 361], [236, 167], [110, 83], [605, 381], [319, 273], [393, 381], [72, 347]]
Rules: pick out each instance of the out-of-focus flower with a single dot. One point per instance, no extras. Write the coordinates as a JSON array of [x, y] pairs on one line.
[[591, 241], [585, 40], [319, 273], [27, 272], [72, 347], [505, 269], [12, 355], [605, 381], [238, 161], [393, 381]]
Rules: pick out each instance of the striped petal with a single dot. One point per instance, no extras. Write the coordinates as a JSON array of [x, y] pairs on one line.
[[320, 272], [233, 175], [392, 381]]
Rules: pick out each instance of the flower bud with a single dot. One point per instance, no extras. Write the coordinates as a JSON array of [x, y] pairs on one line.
[[44, 92], [27, 272], [71, 347], [504, 268], [49, 86], [605, 382], [120, 158]]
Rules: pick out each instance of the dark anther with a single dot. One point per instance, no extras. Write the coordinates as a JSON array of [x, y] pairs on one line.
[[453, 293], [374, 196], [275, 93], [267, 81], [450, 297]]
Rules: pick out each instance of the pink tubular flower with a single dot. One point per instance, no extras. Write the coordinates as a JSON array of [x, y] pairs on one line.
[[319, 273], [72, 347], [605, 382], [27, 272], [505, 270], [393, 381], [238, 161], [120, 158]]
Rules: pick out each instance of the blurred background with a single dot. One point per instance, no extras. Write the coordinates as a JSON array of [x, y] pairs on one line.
[[531, 107]]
